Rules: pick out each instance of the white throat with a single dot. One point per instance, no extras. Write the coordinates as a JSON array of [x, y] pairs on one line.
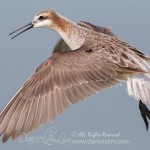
[[72, 38], [43, 24]]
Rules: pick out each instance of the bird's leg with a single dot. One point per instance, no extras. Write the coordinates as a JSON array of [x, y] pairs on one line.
[[145, 113]]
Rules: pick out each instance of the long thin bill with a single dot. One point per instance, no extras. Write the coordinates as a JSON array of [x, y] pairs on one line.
[[27, 27]]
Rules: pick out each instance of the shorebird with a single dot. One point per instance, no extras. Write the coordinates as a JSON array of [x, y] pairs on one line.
[[96, 61]]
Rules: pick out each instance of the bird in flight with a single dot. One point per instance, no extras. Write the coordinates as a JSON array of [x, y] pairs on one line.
[[97, 60]]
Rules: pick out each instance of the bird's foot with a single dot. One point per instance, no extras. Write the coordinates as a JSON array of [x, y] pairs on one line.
[[145, 113]]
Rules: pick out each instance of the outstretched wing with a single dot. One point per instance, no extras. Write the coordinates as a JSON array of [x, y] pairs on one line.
[[63, 79]]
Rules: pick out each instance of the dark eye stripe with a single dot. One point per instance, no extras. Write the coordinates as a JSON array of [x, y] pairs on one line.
[[41, 17]]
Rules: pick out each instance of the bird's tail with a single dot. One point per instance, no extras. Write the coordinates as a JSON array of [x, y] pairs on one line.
[[138, 86]]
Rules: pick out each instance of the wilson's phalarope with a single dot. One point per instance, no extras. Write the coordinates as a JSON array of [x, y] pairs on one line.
[[97, 61]]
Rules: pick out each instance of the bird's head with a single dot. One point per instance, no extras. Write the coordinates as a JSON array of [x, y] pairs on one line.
[[44, 19]]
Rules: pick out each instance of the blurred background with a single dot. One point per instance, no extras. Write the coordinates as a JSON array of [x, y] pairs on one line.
[[111, 111]]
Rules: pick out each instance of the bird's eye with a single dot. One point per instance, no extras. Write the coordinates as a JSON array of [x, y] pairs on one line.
[[41, 18]]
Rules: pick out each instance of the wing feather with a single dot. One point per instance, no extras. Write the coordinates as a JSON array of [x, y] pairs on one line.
[[61, 80]]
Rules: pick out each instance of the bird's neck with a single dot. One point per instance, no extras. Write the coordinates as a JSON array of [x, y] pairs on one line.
[[71, 33]]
